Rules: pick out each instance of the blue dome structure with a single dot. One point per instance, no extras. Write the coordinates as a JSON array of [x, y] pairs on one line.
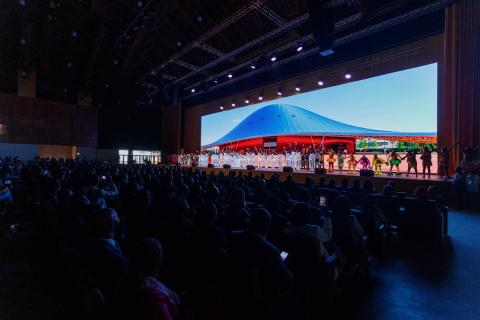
[[284, 119]]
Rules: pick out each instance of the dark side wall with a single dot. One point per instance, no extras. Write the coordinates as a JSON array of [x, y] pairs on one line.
[[36, 121], [134, 128]]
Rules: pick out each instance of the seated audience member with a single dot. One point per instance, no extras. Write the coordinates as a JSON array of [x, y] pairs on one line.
[[137, 212], [236, 215], [373, 216], [103, 256], [368, 187], [347, 232], [344, 185], [355, 192], [213, 195], [300, 223], [473, 190], [331, 184], [261, 193], [459, 187], [276, 210], [434, 195], [143, 295], [389, 204], [207, 238], [5, 197], [262, 277]]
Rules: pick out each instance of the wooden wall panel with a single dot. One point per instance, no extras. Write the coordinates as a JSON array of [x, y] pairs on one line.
[[38, 121]]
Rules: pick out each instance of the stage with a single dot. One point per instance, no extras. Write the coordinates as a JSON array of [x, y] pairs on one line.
[[402, 182]]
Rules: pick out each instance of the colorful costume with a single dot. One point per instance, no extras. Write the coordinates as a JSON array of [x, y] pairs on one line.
[[340, 161], [411, 161], [352, 163], [331, 160], [364, 162], [426, 158], [394, 161], [377, 164]]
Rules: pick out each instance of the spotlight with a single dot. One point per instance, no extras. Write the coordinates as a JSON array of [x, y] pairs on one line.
[[273, 57], [233, 105], [299, 46], [139, 3], [230, 75], [298, 89], [320, 83], [192, 90], [253, 66], [22, 2], [179, 43], [74, 34], [23, 41], [69, 64], [199, 19], [279, 92], [115, 61], [348, 76], [260, 98], [220, 107], [247, 101]]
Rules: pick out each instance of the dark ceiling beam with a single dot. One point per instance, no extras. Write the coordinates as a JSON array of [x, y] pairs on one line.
[[440, 4], [212, 32], [287, 26], [270, 14], [186, 65], [210, 49], [221, 26], [287, 46]]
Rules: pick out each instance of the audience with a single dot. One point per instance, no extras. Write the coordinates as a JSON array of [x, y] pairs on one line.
[[145, 232]]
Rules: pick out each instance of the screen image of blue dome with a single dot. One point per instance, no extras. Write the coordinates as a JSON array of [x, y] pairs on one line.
[[285, 119]]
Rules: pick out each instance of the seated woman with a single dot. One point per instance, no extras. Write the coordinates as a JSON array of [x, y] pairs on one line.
[[144, 295]]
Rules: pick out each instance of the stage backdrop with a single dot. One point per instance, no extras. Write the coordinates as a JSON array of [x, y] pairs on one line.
[[395, 110]]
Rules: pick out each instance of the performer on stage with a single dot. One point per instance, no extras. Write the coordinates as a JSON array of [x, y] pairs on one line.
[[394, 160], [364, 162], [331, 160], [444, 159], [411, 157], [311, 160], [340, 160], [352, 163], [377, 164], [426, 160], [304, 156], [281, 160], [321, 159]]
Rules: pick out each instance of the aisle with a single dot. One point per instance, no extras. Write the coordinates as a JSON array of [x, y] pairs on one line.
[[430, 285]]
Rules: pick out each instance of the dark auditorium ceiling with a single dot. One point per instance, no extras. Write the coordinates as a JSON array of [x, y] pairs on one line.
[[163, 46]]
